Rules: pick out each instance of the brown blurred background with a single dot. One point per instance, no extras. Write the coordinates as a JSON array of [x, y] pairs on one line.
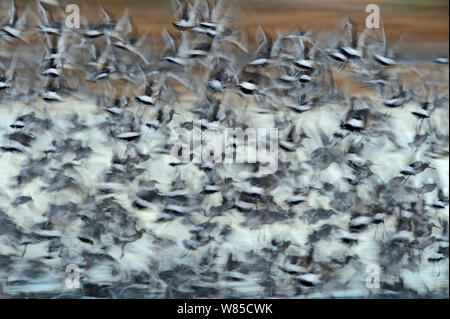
[[422, 25]]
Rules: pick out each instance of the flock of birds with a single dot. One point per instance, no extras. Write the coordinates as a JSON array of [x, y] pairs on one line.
[[87, 176]]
